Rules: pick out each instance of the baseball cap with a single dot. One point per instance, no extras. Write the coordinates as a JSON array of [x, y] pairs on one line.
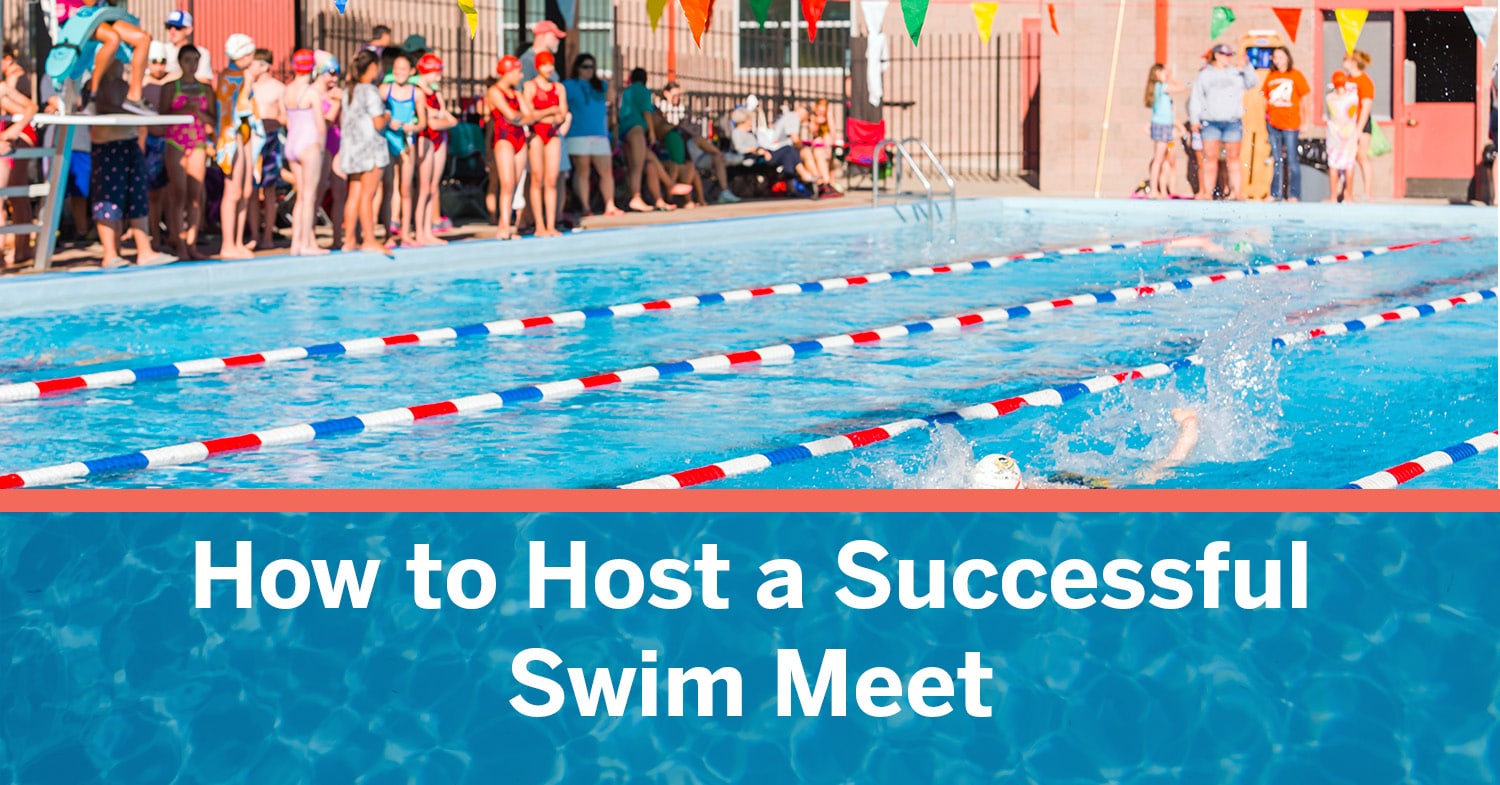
[[507, 64], [545, 58], [546, 27], [1223, 49], [304, 61], [414, 43], [430, 64], [179, 19], [239, 45]]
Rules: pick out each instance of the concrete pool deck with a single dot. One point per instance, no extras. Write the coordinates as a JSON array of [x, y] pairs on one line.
[[655, 231]]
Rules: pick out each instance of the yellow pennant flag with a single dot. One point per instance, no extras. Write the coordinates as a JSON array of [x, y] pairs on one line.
[[1351, 21], [471, 15], [653, 11], [984, 18]]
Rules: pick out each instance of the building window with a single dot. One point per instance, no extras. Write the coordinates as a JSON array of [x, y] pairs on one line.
[[593, 31], [783, 42]]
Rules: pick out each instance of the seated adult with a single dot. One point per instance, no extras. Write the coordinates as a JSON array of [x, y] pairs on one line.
[[786, 158]]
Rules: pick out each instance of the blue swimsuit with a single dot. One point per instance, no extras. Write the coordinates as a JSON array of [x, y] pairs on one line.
[[403, 111]]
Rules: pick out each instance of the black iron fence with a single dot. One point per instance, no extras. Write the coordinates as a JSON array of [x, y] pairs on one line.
[[465, 66]]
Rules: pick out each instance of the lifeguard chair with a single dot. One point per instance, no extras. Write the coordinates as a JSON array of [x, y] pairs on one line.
[[1255, 152]]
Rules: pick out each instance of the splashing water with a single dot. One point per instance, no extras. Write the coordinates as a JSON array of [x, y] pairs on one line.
[[945, 463]]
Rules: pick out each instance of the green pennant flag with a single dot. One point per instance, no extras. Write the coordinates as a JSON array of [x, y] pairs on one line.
[[915, 12], [653, 11], [761, 9], [1223, 18]]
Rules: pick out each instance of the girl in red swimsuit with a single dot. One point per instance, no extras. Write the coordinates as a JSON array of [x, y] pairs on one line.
[[432, 150], [508, 113], [549, 115]]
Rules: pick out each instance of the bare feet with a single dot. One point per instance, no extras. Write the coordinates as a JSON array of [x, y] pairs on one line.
[[681, 189], [377, 248], [313, 250], [638, 205], [612, 210], [505, 233], [236, 253]]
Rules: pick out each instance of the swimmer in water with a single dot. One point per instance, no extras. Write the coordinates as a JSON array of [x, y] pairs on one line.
[[1001, 472]]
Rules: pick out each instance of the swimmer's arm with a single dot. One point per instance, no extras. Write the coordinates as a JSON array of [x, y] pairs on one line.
[[1187, 439]]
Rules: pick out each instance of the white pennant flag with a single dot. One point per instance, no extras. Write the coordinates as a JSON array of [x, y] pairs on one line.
[[874, 11], [1481, 18]]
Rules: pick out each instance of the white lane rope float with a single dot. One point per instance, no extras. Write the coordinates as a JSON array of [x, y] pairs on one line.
[[197, 451], [1402, 472], [364, 346], [1053, 396]]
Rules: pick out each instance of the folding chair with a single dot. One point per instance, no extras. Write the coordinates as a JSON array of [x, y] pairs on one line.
[[863, 150]]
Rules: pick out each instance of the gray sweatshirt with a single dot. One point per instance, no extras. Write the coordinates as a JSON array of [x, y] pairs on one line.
[[1219, 94]]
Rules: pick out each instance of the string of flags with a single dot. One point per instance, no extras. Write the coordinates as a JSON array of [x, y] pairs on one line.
[[1351, 21]]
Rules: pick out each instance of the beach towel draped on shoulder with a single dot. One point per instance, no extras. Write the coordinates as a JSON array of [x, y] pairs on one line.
[[236, 124], [73, 54]]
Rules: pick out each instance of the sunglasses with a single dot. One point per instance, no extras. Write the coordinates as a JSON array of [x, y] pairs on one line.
[[582, 66]]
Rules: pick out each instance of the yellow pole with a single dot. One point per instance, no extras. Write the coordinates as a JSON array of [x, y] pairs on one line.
[[1109, 101]]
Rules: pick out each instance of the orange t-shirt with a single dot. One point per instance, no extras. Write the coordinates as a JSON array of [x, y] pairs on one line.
[[1284, 91], [1366, 87]]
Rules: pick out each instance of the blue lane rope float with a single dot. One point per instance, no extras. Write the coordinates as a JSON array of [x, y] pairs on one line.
[[1400, 473], [1374, 320], [853, 440], [194, 452], [1055, 396], [357, 346]]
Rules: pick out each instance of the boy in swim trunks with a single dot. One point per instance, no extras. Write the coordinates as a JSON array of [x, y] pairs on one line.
[[267, 92], [117, 181]]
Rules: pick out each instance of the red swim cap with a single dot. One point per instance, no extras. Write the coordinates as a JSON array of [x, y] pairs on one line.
[[545, 58], [430, 64], [304, 61], [507, 64]]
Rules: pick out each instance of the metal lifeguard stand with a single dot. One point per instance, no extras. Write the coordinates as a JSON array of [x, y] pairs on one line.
[[54, 190]]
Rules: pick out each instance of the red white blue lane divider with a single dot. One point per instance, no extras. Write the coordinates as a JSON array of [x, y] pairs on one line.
[[1432, 461], [47, 387], [1385, 317], [193, 452], [853, 440]]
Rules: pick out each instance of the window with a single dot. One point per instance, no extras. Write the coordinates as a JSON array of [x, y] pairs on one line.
[[1375, 40], [594, 30], [783, 43]]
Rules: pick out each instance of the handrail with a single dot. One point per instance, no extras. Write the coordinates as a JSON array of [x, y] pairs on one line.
[[900, 148]]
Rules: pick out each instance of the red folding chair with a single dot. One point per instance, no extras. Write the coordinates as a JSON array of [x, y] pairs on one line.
[[863, 149]]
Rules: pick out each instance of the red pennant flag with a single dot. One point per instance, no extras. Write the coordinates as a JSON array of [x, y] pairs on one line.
[[1052, 15], [812, 12], [1290, 18], [698, 13]]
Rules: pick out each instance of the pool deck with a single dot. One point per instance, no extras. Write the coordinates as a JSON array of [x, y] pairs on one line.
[[79, 285]]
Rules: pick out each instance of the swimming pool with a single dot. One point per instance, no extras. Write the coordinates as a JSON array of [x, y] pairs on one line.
[[1317, 414]]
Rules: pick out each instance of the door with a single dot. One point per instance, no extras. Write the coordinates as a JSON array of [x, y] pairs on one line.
[[1439, 92]]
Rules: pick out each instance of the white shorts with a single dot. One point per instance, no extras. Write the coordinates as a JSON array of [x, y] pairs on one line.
[[587, 145]]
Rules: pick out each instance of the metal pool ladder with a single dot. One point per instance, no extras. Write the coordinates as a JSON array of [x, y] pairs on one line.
[[907, 161]]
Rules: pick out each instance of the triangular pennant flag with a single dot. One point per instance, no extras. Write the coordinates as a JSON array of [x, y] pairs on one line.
[[915, 12], [984, 18], [698, 13], [342, 4], [653, 11], [812, 12], [1223, 17], [1481, 19], [761, 9], [1351, 21], [1290, 19], [471, 15], [1052, 17]]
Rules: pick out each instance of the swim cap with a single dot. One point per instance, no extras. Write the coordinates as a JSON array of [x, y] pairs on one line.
[[304, 61], [545, 58], [507, 64], [239, 45], [430, 64], [1340, 79], [326, 64], [997, 473]]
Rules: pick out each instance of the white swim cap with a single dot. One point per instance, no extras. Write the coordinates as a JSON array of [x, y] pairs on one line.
[[239, 45], [997, 473]]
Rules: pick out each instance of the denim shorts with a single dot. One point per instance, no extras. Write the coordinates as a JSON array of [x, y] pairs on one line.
[[1227, 131]]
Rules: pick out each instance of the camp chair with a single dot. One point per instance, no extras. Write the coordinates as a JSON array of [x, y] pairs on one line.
[[864, 150], [73, 54], [466, 172]]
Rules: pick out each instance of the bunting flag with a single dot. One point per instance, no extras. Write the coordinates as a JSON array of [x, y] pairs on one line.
[[1481, 19], [471, 15], [1351, 22], [984, 18], [1223, 17], [1052, 17], [812, 12], [1290, 19], [874, 11], [341, 4], [761, 9], [915, 12], [653, 11], [698, 13]]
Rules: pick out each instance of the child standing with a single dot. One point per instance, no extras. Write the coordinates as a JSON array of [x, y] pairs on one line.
[[1159, 88], [1343, 135], [362, 152], [117, 180]]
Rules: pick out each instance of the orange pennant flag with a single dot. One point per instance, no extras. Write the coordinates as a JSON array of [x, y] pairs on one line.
[[1052, 16], [698, 13], [812, 12], [1290, 19]]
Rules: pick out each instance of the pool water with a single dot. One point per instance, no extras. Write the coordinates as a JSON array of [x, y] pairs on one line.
[[1314, 415]]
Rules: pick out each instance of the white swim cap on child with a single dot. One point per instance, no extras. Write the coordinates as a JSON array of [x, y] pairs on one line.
[[996, 473], [239, 45]]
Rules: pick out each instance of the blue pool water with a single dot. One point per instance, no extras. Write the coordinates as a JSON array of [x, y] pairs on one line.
[[111, 676], [1316, 415]]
